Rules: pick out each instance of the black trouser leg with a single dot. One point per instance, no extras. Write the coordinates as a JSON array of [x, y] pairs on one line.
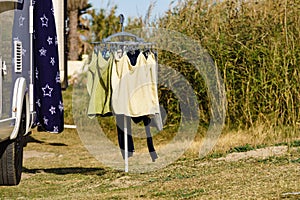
[[120, 130], [150, 145]]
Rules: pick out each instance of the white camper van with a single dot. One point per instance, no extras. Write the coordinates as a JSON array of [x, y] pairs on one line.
[[17, 112]]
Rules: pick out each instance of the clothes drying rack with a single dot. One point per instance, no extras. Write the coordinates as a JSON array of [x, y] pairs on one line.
[[124, 45]]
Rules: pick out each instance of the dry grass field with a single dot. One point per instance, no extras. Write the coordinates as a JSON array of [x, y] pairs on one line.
[[59, 167]]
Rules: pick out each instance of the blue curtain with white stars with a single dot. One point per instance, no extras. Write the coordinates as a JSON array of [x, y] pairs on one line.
[[48, 96]]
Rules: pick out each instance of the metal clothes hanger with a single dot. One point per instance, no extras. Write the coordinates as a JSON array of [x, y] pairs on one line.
[[122, 34], [126, 46]]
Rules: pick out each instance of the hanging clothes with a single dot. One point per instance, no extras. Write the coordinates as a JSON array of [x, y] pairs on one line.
[[134, 86], [99, 85], [135, 60], [120, 130], [147, 121], [48, 96], [121, 135], [125, 85], [156, 120]]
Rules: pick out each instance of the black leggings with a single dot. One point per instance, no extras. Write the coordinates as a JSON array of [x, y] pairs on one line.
[[120, 129]]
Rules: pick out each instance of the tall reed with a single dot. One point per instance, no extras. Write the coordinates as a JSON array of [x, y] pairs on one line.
[[256, 46]]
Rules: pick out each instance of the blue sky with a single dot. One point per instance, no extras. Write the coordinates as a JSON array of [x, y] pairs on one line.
[[134, 8]]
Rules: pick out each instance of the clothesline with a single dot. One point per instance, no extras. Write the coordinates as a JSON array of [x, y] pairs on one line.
[[129, 76]]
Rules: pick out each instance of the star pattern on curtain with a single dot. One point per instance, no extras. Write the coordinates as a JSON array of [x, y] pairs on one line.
[[48, 97]]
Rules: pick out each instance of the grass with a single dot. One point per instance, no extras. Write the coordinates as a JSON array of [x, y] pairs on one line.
[[72, 173], [58, 166]]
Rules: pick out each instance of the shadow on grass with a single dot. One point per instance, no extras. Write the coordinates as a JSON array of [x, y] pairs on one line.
[[57, 144], [31, 139], [70, 170]]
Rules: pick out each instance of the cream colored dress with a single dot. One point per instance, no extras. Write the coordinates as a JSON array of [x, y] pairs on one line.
[[134, 88]]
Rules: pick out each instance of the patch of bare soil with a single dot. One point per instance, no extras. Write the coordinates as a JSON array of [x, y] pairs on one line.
[[125, 182], [37, 154], [262, 153]]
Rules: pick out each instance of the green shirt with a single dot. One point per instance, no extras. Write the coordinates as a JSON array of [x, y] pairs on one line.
[[99, 85]]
